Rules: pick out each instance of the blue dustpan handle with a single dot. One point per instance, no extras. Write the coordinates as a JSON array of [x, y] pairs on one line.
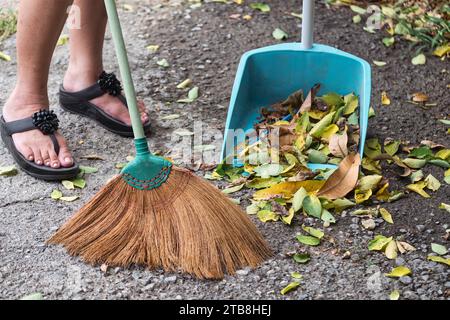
[[308, 24]]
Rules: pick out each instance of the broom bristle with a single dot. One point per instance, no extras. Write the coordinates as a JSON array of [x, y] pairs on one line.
[[184, 224]]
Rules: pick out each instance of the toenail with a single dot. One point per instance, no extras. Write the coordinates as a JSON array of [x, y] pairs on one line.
[[55, 165], [39, 162], [30, 157], [69, 160], [47, 163]]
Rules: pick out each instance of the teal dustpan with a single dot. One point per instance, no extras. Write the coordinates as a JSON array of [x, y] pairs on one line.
[[270, 74]]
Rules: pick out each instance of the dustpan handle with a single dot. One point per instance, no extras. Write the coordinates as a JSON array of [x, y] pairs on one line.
[[308, 24], [124, 66]]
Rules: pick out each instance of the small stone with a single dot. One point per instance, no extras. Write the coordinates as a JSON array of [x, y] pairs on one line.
[[403, 230], [368, 224], [420, 228], [405, 280], [178, 297], [243, 272], [399, 261], [171, 279]]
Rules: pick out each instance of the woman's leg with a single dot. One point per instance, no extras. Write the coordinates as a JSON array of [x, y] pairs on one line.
[[86, 62], [39, 26]]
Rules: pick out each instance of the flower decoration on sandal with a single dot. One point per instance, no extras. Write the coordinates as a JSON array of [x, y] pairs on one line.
[[109, 83], [46, 121]]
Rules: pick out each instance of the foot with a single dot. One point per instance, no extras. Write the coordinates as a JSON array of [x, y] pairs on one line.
[[109, 104], [34, 145]]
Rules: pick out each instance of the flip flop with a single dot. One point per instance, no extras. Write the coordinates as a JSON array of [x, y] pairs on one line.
[[47, 122], [78, 103]]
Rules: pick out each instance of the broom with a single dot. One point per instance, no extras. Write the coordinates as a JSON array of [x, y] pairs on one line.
[[158, 215]]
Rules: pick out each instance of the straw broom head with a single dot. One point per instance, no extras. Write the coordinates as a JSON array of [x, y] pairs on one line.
[[184, 224]]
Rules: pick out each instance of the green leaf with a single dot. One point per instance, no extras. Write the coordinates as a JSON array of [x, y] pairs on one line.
[[351, 104], [388, 41], [432, 183], [317, 233], [416, 176], [56, 194], [308, 240], [358, 10], [88, 170], [379, 243], [301, 257], [192, 96], [332, 99], [261, 183], [315, 156], [439, 259], [153, 48], [291, 286], [320, 126], [312, 206], [68, 184], [233, 189], [171, 117], [395, 295], [415, 163], [353, 119], [163, 63], [398, 272], [296, 275], [33, 296], [419, 59], [279, 34], [421, 152], [327, 217], [299, 196], [260, 6], [69, 199], [439, 249], [401, 29], [268, 170], [391, 147], [8, 171], [356, 19], [440, 163]]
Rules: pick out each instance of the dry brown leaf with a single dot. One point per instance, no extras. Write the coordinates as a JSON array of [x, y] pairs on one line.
[[307, 104], [431, 144], [338, 145], [419, 97], [343, 180]]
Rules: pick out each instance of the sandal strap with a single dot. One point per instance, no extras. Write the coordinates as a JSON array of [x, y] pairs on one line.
[[36, 122], [107, 83]]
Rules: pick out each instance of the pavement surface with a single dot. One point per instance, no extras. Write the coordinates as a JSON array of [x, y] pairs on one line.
[[204, 44]]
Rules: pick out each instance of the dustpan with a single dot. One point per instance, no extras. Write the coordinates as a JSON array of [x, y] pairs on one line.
[[270, 74]]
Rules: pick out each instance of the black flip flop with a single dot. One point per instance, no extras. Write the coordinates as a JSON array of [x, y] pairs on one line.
[[47, 122], [78, 102]]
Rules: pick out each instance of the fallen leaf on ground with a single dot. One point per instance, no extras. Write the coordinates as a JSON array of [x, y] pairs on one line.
[[279, 34], [8, 171], [385, 99], [395, 295], [439, 249], [418, 188], [439, 259], [445, 206], [301, 258], [398, 272], [56, 194], [291, 286], [308, 240], [343, 180], [419, 59], [386, 215]]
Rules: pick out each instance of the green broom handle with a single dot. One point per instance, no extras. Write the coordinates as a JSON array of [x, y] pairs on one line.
[[124, 66]]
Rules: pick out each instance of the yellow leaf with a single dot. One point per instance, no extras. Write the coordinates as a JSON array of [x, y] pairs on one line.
[[443, 154], [361, 196], [395, 295], [442, 50], [247, 17], [369, 182], [329, 131], [267, 215], [239, 1], [439, 259], [386, 215], [383, 194], [385, 99], [4, 56], [391, 250], [291, 286], [398, 272], [287, 189], [418, 188], [288, 220]]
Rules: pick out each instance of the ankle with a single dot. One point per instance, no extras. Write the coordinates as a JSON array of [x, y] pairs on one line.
[[21, 104], [77, 79]]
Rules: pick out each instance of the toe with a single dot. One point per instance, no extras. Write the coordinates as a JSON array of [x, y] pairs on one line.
[[27, 152], [144, 117], [45, 158], [65, 157], [54, 161], [37, 156]]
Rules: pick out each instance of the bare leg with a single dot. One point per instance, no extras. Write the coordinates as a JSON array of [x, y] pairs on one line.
[[39, 26], [86, 63]]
